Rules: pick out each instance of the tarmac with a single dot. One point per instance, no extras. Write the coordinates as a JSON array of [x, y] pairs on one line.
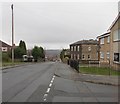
[[70, 73]]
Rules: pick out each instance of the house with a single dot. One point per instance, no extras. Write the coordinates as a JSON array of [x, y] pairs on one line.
[[5, 47], [104, 43], [85, 51], [110, 45], [115, 43]]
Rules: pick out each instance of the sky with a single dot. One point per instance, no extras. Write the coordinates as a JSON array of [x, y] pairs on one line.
[[55, 25]]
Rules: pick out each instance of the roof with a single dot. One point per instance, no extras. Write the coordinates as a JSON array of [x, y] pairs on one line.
[[91, 41], [104, 35], [114, 22], [4, 44]]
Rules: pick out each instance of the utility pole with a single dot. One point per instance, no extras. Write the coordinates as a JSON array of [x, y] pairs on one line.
[[12, 36]]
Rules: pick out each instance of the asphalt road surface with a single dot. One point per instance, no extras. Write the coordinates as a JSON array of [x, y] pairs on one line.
[[37, 83]]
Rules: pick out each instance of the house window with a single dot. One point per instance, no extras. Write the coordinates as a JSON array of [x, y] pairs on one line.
[[78, 48], [83, 56], [74, 48], [116, 57], [89, 48], [116, 35], [78, 56], [71, 48], [108, 39], [102, 55], [108, 55], [102, 41], [88, 56], [4, 49]]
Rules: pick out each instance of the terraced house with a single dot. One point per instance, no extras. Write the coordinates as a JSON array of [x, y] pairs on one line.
[[110, 45], [85, 50]]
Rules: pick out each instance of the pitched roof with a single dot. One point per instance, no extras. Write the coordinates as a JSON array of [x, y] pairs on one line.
[[3, 44], [104, 35], [91, 41], [114, 22]]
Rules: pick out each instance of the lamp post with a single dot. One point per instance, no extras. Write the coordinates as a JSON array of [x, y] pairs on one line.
[[12, 36]]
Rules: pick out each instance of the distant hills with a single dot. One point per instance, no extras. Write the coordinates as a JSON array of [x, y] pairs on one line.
[[52, 53]]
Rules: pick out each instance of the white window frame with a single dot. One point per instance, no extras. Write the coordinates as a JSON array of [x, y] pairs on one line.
[[89, 48], [108, 55], [71, 56], [4, 49], [108, 39], [78, 56], [78, 48], [74, 48], [71, 48], [102, 41], [116, 35], [102, 55]]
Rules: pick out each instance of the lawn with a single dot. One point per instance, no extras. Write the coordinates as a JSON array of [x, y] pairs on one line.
[[98, 71], [11, 64]]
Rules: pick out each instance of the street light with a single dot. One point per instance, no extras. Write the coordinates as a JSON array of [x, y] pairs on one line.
[[12, 36]]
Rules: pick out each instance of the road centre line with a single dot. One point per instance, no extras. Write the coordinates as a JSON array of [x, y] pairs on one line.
[[48, 90]]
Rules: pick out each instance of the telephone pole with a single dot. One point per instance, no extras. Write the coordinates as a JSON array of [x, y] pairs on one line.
[[12, 36]]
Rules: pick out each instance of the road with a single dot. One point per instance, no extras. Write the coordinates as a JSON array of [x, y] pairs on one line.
[[37, 83]]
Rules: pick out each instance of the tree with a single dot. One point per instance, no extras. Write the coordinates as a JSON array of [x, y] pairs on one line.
[[22, 45], [38, 52], [20, 50], [42, 53]]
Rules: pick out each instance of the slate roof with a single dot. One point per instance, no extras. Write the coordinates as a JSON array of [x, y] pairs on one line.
[[3, 44], [91, 41]]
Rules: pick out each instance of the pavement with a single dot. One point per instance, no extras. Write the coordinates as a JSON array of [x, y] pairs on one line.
[[69, 73]]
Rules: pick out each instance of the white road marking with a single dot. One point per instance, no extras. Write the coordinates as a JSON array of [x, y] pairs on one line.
[[51, 81], [45, 95], [44, 99], [50, 84], [48, 90]]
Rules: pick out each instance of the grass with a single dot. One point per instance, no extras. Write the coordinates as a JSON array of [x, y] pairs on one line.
[[10, 63], [99, 71]]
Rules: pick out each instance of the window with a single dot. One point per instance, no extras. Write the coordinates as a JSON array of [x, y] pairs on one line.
[[88, 56], [89, 48], [4, 49], [71, 56], [108, 55], [78, 48], [108, 39], [78, 57], [83, 56], [102, 41], [71, 48], [116, 57], [74, 48], [116, 35], [101, 54]]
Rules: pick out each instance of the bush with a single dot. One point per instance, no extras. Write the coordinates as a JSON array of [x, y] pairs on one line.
[[5, 57], [74, 64]]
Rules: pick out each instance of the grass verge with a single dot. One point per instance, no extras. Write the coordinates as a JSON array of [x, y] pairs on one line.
[[99, 71]]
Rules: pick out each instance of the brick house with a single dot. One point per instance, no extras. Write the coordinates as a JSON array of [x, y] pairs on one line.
[[115, 43], [110, 45], [4, 46], [85, 50], [104, 42]]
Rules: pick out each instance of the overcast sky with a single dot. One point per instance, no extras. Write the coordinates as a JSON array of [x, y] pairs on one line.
[[55, 25]]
